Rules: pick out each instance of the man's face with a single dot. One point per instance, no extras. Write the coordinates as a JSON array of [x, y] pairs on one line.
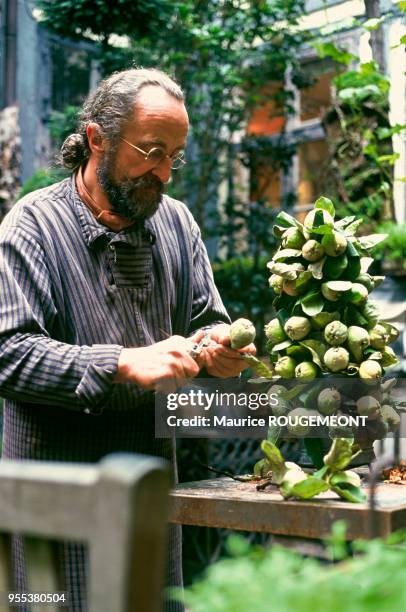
[[133, 185]]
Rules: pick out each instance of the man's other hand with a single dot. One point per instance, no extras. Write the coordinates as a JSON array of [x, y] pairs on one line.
[[219, 358]]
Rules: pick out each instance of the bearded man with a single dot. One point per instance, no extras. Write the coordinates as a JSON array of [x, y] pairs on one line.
[[105, 287]]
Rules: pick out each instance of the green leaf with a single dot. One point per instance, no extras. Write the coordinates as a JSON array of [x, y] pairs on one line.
[[309, 488], [402, 6], [316, 268], [286, 254], [368, 242], [339, 286], [273, 433], [312, 304], [274, 456], [351, 229], [287, 220], [327, 49], [365, 263], [315, 345], [315, 449], [350, 493], [343, 223], [389, 158], [258, 366], [315, 356], [325, 204], [299, 353], [281, 346]]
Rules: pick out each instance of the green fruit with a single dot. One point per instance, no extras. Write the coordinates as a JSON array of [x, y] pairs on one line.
[[328, 401], [274, 332], [335, 266], [340, 431], [378, 337], [329, 294], [358, 293], [242, 333], [336, 359], [276, 283], [322, 319], [336, 333], [334, 243], [299, 429], [293, 239], [370, 370], [391, 417], [358, 340], [366, 280], [291, 478], [297, 328], [279, 406], [309, 222], [306, 371], [285, 367], [367, 405], [312, 250]]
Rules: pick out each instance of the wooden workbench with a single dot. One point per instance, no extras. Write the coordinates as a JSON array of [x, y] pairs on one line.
[[226, 503]]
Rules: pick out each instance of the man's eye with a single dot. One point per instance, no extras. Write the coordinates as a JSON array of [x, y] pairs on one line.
[[156, 154]]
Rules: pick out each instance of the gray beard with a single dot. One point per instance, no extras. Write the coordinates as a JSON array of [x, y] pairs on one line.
[[138, 199]]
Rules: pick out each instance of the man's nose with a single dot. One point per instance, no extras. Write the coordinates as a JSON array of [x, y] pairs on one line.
[[163, 170]]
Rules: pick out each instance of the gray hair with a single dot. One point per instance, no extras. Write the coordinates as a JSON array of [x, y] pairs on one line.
[[111, 105]]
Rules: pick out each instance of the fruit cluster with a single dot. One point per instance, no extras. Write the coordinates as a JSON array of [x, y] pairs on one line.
[[326, 324]]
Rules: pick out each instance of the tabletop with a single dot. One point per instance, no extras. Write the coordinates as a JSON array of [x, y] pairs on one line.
[[227, 503]]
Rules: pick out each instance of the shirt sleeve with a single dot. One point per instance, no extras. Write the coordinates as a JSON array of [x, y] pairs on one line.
[[34, 367], [207, 308]]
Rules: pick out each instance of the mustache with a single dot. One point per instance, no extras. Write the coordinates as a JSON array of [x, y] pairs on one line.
[[147, 181]]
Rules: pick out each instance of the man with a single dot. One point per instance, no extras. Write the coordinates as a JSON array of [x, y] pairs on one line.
[[105, 286]]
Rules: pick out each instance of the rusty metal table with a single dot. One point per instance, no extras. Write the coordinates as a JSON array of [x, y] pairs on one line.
[[229, 504]]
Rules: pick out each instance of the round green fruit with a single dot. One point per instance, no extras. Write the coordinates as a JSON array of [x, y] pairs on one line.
[[370, 370], [297, 328], [276, 283], [306, 371], [293, 239], [358, 293], [285, 367], [378, 337], [336, 359], [274, 332], [312, 250], [367, 405], [358, 340], [366, 280], [336, 333], [334, 243], [329, 294], [328, 401], [242, 333]]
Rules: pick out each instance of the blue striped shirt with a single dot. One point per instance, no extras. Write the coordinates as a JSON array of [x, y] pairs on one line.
[[73, 293]]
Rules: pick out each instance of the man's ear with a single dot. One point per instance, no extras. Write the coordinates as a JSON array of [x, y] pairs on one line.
[[95, 139]]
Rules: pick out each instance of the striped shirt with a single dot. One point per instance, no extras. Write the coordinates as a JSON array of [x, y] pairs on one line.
[[73, 293]]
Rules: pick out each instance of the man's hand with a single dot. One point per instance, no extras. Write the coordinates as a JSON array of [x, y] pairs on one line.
[[164, 366], [219, 358]]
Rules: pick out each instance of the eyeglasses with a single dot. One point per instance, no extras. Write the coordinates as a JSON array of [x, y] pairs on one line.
[[157, 155]]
